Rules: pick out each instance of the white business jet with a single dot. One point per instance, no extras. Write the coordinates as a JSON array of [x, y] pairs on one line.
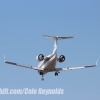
[[48, 64]]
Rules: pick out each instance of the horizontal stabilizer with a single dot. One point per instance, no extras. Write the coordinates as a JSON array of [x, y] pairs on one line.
[[58, 37]]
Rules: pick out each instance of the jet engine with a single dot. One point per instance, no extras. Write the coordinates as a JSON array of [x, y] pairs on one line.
[[40, 57], [61, 58]]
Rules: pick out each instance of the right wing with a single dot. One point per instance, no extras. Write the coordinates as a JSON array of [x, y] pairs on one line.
[[72, 68], [21, 65]]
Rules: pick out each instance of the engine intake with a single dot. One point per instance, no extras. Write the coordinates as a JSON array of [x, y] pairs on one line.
[[40, 57], [62, 58]]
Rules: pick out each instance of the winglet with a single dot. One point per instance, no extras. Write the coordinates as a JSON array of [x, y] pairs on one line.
[[4, 58], [96, 62]]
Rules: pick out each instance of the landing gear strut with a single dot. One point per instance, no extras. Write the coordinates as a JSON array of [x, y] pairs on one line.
[[42, 79]]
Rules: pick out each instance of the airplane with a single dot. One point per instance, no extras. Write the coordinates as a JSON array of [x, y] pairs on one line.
[[48, 63]]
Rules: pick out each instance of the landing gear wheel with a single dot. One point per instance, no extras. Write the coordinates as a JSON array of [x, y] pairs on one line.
[[41, 73], [42, 79], [56, 73]]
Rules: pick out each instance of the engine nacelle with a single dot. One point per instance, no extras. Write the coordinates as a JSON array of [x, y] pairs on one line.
[[40, 57], [61, 58]]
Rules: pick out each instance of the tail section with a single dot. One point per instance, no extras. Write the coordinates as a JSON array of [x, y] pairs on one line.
[[56, 38]]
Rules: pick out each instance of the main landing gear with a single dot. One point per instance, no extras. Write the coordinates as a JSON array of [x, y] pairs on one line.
[[42, 79], [56, 73]]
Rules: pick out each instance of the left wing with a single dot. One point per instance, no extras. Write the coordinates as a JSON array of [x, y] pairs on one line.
[[21, 65], [72, 68]]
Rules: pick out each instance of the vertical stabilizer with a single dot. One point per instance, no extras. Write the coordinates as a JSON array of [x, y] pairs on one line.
[[56, 38]]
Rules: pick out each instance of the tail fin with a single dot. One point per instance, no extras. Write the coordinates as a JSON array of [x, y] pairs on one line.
[[57, 37]]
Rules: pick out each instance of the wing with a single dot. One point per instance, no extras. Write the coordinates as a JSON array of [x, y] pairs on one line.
[[72, 68], [21, 65]]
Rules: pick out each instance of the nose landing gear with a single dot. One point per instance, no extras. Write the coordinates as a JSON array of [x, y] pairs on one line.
[[42, 79]]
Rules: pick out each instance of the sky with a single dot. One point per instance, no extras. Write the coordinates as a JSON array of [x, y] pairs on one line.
[[22, 26]]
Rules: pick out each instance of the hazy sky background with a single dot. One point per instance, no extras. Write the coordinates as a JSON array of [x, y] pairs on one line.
[[22, 24]]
